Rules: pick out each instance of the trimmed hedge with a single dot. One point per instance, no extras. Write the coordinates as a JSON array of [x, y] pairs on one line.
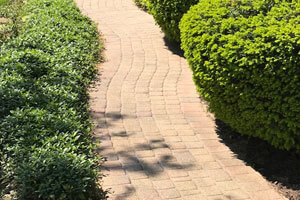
[[168, 13], [245, 59], [46, 149]]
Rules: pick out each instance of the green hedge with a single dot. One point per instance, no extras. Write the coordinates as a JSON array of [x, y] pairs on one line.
[[2, 2], [46, 149], [142, 4], [168, 13], [245, 59]]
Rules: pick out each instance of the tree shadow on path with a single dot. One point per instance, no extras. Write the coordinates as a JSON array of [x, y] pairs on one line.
[[151, 159]]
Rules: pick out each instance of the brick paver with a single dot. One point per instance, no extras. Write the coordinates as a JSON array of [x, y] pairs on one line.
[[158, 139]]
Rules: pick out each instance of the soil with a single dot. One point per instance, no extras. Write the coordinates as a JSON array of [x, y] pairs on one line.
[[281, 168]]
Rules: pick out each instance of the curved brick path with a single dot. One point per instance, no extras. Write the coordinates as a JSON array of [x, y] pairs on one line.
[[155, 133]]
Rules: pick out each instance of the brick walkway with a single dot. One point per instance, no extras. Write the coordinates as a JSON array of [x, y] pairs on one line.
[[159, 141]]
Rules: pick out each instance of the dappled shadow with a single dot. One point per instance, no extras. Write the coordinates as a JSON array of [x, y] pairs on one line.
[[99, 118], [127, 193], [148, 165], [149, 159], [174, 47], [278, 166]]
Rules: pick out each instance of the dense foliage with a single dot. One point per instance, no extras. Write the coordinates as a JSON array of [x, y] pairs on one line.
[[45, 142], [168, 13], [245, 59], [142, 4], [2, 2]]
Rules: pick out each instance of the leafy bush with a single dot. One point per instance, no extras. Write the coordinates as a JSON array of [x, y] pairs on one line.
[[245, 59], [142, 4], [2, 2], [46, 150], [168, 13]]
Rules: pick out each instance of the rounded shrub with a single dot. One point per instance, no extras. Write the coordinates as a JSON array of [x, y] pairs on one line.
[[168, 13], [245, 60]]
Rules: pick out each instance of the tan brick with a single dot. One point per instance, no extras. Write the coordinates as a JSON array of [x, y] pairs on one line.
[[223, 155], [181, 179], [179, 121], [207, 136], [138, 141], [143, 183], [204, 158], [143, 154], [186, 132], [231, 162], [166, 128], [220, 148], [185, 185], [182, 127], [189, 138], [195, 197], [253, 177], [113, 167], [227, 185], [185, 157], [185, 193], [115, 180], [147, 193], [236, 194], [211, 190], [135, 171], [254, 186], [266, 195], [193, 145], [211, 165], [122, 190], [162, 151], [211, 143], [176, 145], [159, 176], [173, 173], [200, 151], [163, 184], [198, 173], [236, 170], [204, 182], [169, 193], [205, 123], [219, 174], [172, 139], [218, 197]]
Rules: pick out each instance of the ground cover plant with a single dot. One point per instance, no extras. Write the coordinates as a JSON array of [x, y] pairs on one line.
[[46, 150], [245, 59], [168, 13]]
